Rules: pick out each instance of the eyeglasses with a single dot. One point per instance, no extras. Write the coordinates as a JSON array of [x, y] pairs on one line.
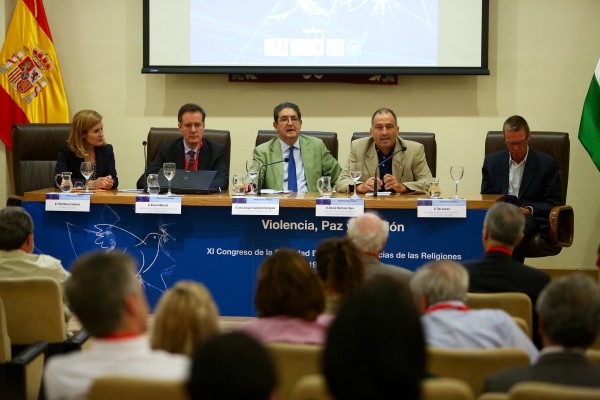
[[284, 120], [519, 143], [188, 126]]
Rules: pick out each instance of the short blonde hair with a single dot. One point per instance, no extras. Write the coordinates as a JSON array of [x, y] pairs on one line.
[[186, 315], [82, 122]]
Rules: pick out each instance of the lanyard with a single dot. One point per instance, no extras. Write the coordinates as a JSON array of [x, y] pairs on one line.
[[445, 306]]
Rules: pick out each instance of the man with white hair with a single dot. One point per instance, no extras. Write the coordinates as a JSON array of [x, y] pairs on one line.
[[369, 233], [440, 289]]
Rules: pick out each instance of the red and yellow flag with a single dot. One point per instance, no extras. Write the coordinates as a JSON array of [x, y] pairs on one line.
[[31, 87]]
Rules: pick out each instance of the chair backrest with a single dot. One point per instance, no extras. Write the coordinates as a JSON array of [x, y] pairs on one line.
[[5, 351], [129, 388], [293, 361], [34, 310], [311, 387], [329, 138], [473, 365], [425, 138], [515, 304], [555, 144], [445, 389], [551, 391], [158, 136], [593, 356], [34, 154], [523, 325]]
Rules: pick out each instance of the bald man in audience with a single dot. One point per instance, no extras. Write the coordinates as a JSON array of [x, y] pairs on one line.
[[106, 295], [440, 289], [369, 233]]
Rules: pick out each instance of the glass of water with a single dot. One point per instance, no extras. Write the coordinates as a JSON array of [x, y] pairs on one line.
[[253, 168], [456, 172], [355, 170], [169, 171], [153, 184], [87, 169]]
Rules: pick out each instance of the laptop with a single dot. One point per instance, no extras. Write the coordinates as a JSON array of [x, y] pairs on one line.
[[188, 182]]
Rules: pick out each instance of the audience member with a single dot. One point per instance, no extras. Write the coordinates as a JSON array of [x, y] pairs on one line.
[[232, 366], [369, 233], [440, 289], [289, 300], [106, 296], [16, 251], [305, 166], [375, 347], [530, 178], [185, 316], [191, 151], [404, 172], [497, 271], [86, 143], [341, 269], [569, 311]]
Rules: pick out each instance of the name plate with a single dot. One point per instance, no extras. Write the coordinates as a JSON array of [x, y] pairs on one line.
[[158, 204], [441, 208], [68, 202], [255, 206], [328, 207]]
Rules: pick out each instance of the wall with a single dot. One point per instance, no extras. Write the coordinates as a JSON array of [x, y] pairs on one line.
[[542, 57]]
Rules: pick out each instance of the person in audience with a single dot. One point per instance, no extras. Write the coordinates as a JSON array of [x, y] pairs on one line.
[[497, 271], [341, 270], [308, 157], [375, 347], [86, 143], [369, 233], [185, 316], [191, 151], [232, 366], [569, 312], [440, 289], [16, 252], [289, 300], [530, 178], [402, 164], [107, 298]]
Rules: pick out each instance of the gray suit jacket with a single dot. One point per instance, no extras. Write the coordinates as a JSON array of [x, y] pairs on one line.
[[375, 267], [409, 166]]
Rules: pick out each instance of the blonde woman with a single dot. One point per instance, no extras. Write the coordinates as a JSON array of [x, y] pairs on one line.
[[86, 143], [186, 315]]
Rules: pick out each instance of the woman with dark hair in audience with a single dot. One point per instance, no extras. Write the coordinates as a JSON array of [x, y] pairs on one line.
[[289, 300], [375, 347], [341, 269], [86, 143]]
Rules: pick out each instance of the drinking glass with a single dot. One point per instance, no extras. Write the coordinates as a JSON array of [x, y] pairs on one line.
[[355, 170], [169, 171], [87, 169], [253, 168], [456, 172], [237, 183]]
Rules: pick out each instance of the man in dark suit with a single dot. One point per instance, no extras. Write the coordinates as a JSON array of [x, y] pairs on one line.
[[529, 178], [497, 271], [569, 310], [192, 151]]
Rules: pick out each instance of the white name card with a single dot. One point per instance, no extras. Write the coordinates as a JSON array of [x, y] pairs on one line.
[[255, 206], [441, 208], [158, 204], [68, 202], [328, 207]]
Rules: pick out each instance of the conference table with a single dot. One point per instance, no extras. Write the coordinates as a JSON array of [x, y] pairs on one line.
[[206, 243]]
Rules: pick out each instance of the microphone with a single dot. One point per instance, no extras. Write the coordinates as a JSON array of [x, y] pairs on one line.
[[258, 189], [402, 148], [145, 183]]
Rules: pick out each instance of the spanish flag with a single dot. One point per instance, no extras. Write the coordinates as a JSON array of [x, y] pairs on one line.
[[31, 87]]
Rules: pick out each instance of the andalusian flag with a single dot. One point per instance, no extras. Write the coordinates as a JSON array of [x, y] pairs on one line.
[[589, 127], [31, 87]]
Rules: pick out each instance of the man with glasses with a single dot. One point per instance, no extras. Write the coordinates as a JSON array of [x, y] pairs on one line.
[[529, 178], [308, 157], [405, 172], [191, 151]]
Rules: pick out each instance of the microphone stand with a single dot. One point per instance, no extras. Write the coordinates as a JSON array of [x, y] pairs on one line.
[[145, 183], [259, 186], [380, 164]]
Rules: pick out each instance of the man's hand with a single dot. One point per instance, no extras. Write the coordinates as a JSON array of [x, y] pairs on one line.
[[391, 183], [368, 185]]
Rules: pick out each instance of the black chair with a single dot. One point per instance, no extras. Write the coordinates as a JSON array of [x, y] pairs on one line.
[[329, 138], [425, 138], [561, 222]]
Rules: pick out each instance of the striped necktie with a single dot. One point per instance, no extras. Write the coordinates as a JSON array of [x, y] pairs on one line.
[[292, 182], [191, 159]]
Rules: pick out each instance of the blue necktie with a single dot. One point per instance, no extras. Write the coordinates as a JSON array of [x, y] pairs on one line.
[[292, 182]]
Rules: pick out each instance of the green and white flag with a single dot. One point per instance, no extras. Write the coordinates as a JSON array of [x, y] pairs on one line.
[[589, 127]]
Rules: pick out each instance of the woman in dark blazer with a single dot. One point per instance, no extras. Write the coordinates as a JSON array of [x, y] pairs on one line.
[[86, 143]]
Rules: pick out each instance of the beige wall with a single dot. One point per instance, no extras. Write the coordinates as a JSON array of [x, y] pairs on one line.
[[542, 56]]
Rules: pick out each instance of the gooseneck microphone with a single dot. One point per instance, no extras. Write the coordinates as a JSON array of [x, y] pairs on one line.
[[145, 183], [380, 164], [258, 188]]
